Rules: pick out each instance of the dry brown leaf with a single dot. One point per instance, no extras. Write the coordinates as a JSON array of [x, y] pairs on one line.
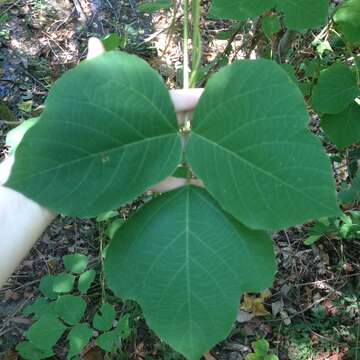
[[255, 305]]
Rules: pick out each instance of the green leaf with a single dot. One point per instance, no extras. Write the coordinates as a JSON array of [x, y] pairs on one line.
[[113, 227], [299, 14], [103, 320], [291, 72], [107, 216], [271, 357], [271, 25], [153, 6], [114, 41], [240, 9], [108, 341], [335, 90], [75, 263], [85, 280], [28, 351], [189, 264], [71, 308], [261, 346], [40, 307], [254, 357], [351, 193], [46, 332], [123, 327], [14, 136], [322, 47], [104, 124], [251, 147], [46, 287], [63, 283], [347, 18], [304, 14], [79, 336], [343, 129], [312, 239]]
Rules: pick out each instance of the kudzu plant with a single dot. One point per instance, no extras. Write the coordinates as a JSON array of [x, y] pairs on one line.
[[109, 132]]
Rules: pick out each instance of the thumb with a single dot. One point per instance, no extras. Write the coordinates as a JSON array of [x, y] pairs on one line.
[[95, 48]]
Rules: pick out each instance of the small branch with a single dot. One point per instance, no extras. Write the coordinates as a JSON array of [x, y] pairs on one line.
[[196, 42], [186, 45]]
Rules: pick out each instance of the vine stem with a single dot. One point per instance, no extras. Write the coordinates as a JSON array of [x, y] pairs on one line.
[[186, 45], [196, 42]]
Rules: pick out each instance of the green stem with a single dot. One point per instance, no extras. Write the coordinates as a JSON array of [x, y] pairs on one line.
[[186, 45], [102, 270], [196, 42]]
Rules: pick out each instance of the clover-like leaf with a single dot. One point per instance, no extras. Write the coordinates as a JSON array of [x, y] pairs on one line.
[[109, 127], [46, 287], [79, 336], [85, 280], [39, 308], [75, 263], [63, 283], [70, 308], [251, 147], [103, 320], [108, 340], [343, 128], [189, 264], [336, 89], [29, 351], [46, 332]]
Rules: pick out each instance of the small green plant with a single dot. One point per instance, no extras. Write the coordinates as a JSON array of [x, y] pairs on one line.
[[261, 351], [347, 226], [60, 312]]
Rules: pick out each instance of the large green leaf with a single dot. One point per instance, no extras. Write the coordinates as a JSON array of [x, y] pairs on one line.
[[299, 14], [107, 134], [335, 90], [252, 149], [302, 14], [240, 9], [347, 18], [189, 263], [343, 129]]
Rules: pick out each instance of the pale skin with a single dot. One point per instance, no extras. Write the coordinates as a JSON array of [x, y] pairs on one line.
[[22, 221]]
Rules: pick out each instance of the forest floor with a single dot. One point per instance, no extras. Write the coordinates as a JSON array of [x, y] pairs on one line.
[[311, 312]]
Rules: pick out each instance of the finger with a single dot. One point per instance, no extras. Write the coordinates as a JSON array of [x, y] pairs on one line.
[[5, 169], [170, 183], [95, 48], [185, 99]]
